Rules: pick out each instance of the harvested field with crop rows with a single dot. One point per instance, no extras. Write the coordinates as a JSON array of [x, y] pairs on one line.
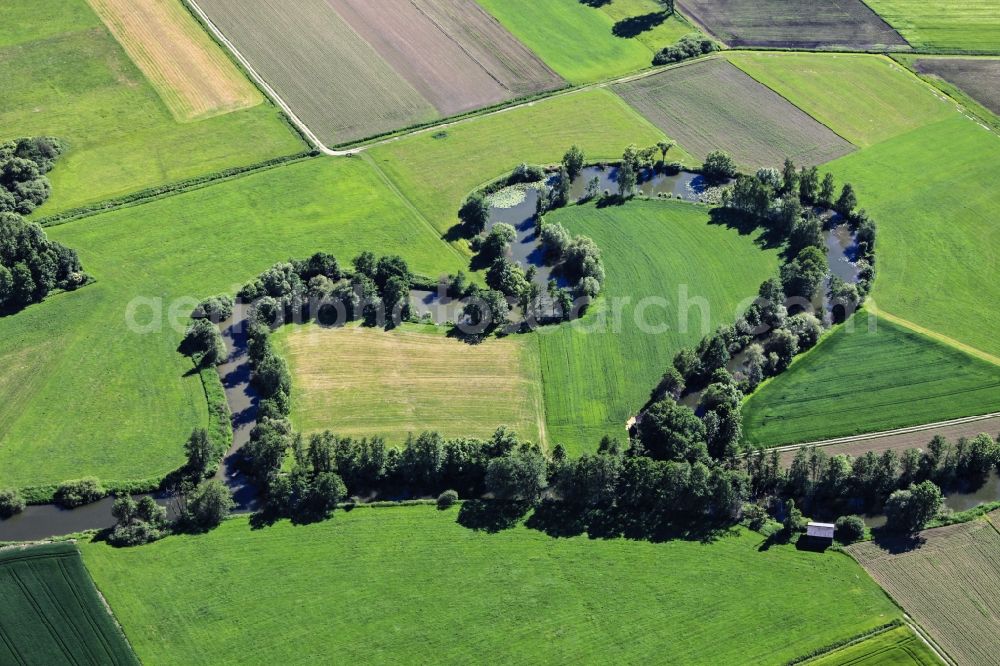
[[802, 24], [193, 75], [332, 79], [712, 104], [948, 579], [454, 54], [979, 78]]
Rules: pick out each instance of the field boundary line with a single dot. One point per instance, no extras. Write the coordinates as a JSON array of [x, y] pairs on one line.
[[934, 335], [928, 641], [885, 433], [385, 178], [259, 80], [856, 146]]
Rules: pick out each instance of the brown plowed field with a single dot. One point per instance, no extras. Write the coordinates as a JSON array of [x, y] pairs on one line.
[[979, 78], [713, 105], [948, 579], [333, 80], [454, 53], [801, 24], [193, 76], [910, 440]]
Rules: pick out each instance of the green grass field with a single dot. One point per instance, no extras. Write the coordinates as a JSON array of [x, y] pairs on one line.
[[362, 382], [83, 394], [409, 585], [933, 194], [657, 35], [944, 25], [51, 613], [573, 39], [865, 99], [859, 381], [599, 371], [896, 647], [436, 171], [67, 77]]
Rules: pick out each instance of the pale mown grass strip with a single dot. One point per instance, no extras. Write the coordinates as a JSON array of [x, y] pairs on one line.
[[363, 382], [193, 76]]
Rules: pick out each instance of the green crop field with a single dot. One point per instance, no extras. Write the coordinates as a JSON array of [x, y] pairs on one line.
[[865, 99], [361, 382], [933, 194], [864, 380], [944, 25], [599, 371], [712, 105], [51, 613], [92, 397], [572, 38], [896, 647], [408, 584], [437, 170], [70, 79]]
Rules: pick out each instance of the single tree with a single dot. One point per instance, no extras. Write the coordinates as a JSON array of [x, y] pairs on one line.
[[573, 161]]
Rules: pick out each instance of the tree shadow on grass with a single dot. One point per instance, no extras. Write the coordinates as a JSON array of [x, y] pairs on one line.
[[491, 515], [746, 225], [634, 26]]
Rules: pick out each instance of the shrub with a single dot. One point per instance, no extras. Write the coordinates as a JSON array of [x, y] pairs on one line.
[[209, 505], [525, 173], [446, 499], [718, 166], [850, 528], [215, 308], [71, 494], [138, 522], [10, 503], [688, 46]]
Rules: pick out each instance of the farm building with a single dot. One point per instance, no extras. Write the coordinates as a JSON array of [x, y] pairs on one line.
[[820, 532]]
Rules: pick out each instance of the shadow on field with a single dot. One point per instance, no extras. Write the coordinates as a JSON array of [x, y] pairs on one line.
[[634, 26], [746, 225], [559, 519]]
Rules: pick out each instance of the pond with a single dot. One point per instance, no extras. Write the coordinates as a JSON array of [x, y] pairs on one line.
[[684, 184], [957, 501]]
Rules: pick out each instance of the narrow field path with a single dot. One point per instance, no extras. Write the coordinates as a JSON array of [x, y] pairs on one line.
[[900, 438], [940, 337]]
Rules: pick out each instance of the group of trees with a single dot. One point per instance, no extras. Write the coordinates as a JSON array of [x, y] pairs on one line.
[[788, 204], [688, 46], [32, 265], [578, 259], [23, 165], [376, 291], [898, 484]]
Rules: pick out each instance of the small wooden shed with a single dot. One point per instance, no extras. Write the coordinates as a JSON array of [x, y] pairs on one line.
[[820, 532]]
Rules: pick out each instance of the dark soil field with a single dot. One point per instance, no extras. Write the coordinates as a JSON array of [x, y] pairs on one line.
[[455, 54], [948, 580], [917, 439], [51, 613], [713, 105], [804, 24], [979, 78]]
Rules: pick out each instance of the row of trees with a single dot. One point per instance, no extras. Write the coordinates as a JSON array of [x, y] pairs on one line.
[[23, 165]]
